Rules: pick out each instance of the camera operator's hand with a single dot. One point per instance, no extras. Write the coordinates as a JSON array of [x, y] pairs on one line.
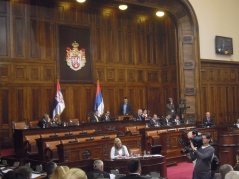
[[192, 146]]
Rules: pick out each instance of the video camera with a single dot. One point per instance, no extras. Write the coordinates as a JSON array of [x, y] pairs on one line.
[[197, 142]]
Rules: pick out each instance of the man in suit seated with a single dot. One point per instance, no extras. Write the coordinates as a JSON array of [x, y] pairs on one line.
[[153, 121], [98, 169], [208, 120], [95, 117], [138, 116], [126, 108], [134, 167], [166, 121], [106, 117], [44, 121]]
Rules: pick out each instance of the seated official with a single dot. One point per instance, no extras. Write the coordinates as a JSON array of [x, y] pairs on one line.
[[56, 121], [145, 115], [106, 117], [95, 117], [44, 122], [166, 121], [134, 167], [138, 116], [98, 169], [176, 120], [154, 121], [208, 120], [118, 151]]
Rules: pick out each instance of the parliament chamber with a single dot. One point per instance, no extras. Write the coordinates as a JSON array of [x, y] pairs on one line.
[[132, 54]]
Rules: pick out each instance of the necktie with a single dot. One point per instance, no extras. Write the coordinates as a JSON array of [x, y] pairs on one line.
[[97, 120]]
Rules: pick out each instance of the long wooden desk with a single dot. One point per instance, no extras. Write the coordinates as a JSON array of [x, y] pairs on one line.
[[95, 149], [18, 134], [173, 139]]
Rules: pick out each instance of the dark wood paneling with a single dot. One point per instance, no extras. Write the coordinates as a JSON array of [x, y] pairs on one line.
[[220, 90], [134, 57], [3, 35]]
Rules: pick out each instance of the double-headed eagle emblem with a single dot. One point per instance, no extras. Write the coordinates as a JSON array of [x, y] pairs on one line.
[[75, 58]]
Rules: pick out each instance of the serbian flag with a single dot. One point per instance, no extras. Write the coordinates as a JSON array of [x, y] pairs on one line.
[[59, 104], [99, 103]]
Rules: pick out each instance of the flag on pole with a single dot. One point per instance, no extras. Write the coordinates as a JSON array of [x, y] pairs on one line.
[[59, 104], [99, 103]]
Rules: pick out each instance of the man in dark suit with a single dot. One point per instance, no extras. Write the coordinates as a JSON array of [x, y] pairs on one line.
[[50, 167], [98, 170], [134, 167], [95, 117], [138, 116], [44, 121], [208, 120], [106, 117], [170, 107], [153, 121], [166, 121], [126, 108]]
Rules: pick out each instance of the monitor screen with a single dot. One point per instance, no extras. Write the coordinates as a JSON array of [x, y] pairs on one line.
[[223, 45]]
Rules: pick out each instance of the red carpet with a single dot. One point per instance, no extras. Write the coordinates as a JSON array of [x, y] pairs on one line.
[[6, 152], [180, 171]]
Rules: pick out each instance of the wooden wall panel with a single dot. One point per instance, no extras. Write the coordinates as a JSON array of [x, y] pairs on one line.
[[220, 90], [131, 54], [4, 35]]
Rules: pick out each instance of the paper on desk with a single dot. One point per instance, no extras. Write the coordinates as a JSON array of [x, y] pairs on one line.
[[2, 168], [5, 171], [112, 176], [157, 155], [35, 175]]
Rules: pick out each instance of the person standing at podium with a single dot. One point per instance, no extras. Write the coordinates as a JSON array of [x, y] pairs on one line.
[[95, 117], [126, 108], [118, 151]]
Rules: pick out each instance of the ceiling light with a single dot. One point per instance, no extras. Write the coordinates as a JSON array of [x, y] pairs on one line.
[[123, 7], [160, 13], [80, 1]]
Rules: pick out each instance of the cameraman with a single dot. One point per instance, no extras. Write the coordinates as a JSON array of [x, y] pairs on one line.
[[203, 156]]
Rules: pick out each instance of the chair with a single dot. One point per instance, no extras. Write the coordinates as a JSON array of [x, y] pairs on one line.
[[156, 149], [117, 176], [30, 143], [50, 150], [19, 125], [98, 175], [131, 130], [140, 127], [33, 124], [114, 171], [135, 151], [155, 174]]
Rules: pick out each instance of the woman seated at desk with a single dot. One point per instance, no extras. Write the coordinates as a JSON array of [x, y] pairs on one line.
[[118, 151]]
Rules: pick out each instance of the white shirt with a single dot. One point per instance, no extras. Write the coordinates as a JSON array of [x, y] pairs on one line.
[[120, 151]]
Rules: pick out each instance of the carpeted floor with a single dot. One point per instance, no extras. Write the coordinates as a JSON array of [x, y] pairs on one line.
[[180, 171], [6, 152]]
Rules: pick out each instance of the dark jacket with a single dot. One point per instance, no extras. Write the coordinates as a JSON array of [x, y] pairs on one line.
[[129, 109], [90, 175]]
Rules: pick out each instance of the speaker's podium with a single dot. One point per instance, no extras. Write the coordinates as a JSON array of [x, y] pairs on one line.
[[125, 117]]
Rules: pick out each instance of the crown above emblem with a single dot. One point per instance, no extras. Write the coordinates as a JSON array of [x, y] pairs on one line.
[[75, 44]]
